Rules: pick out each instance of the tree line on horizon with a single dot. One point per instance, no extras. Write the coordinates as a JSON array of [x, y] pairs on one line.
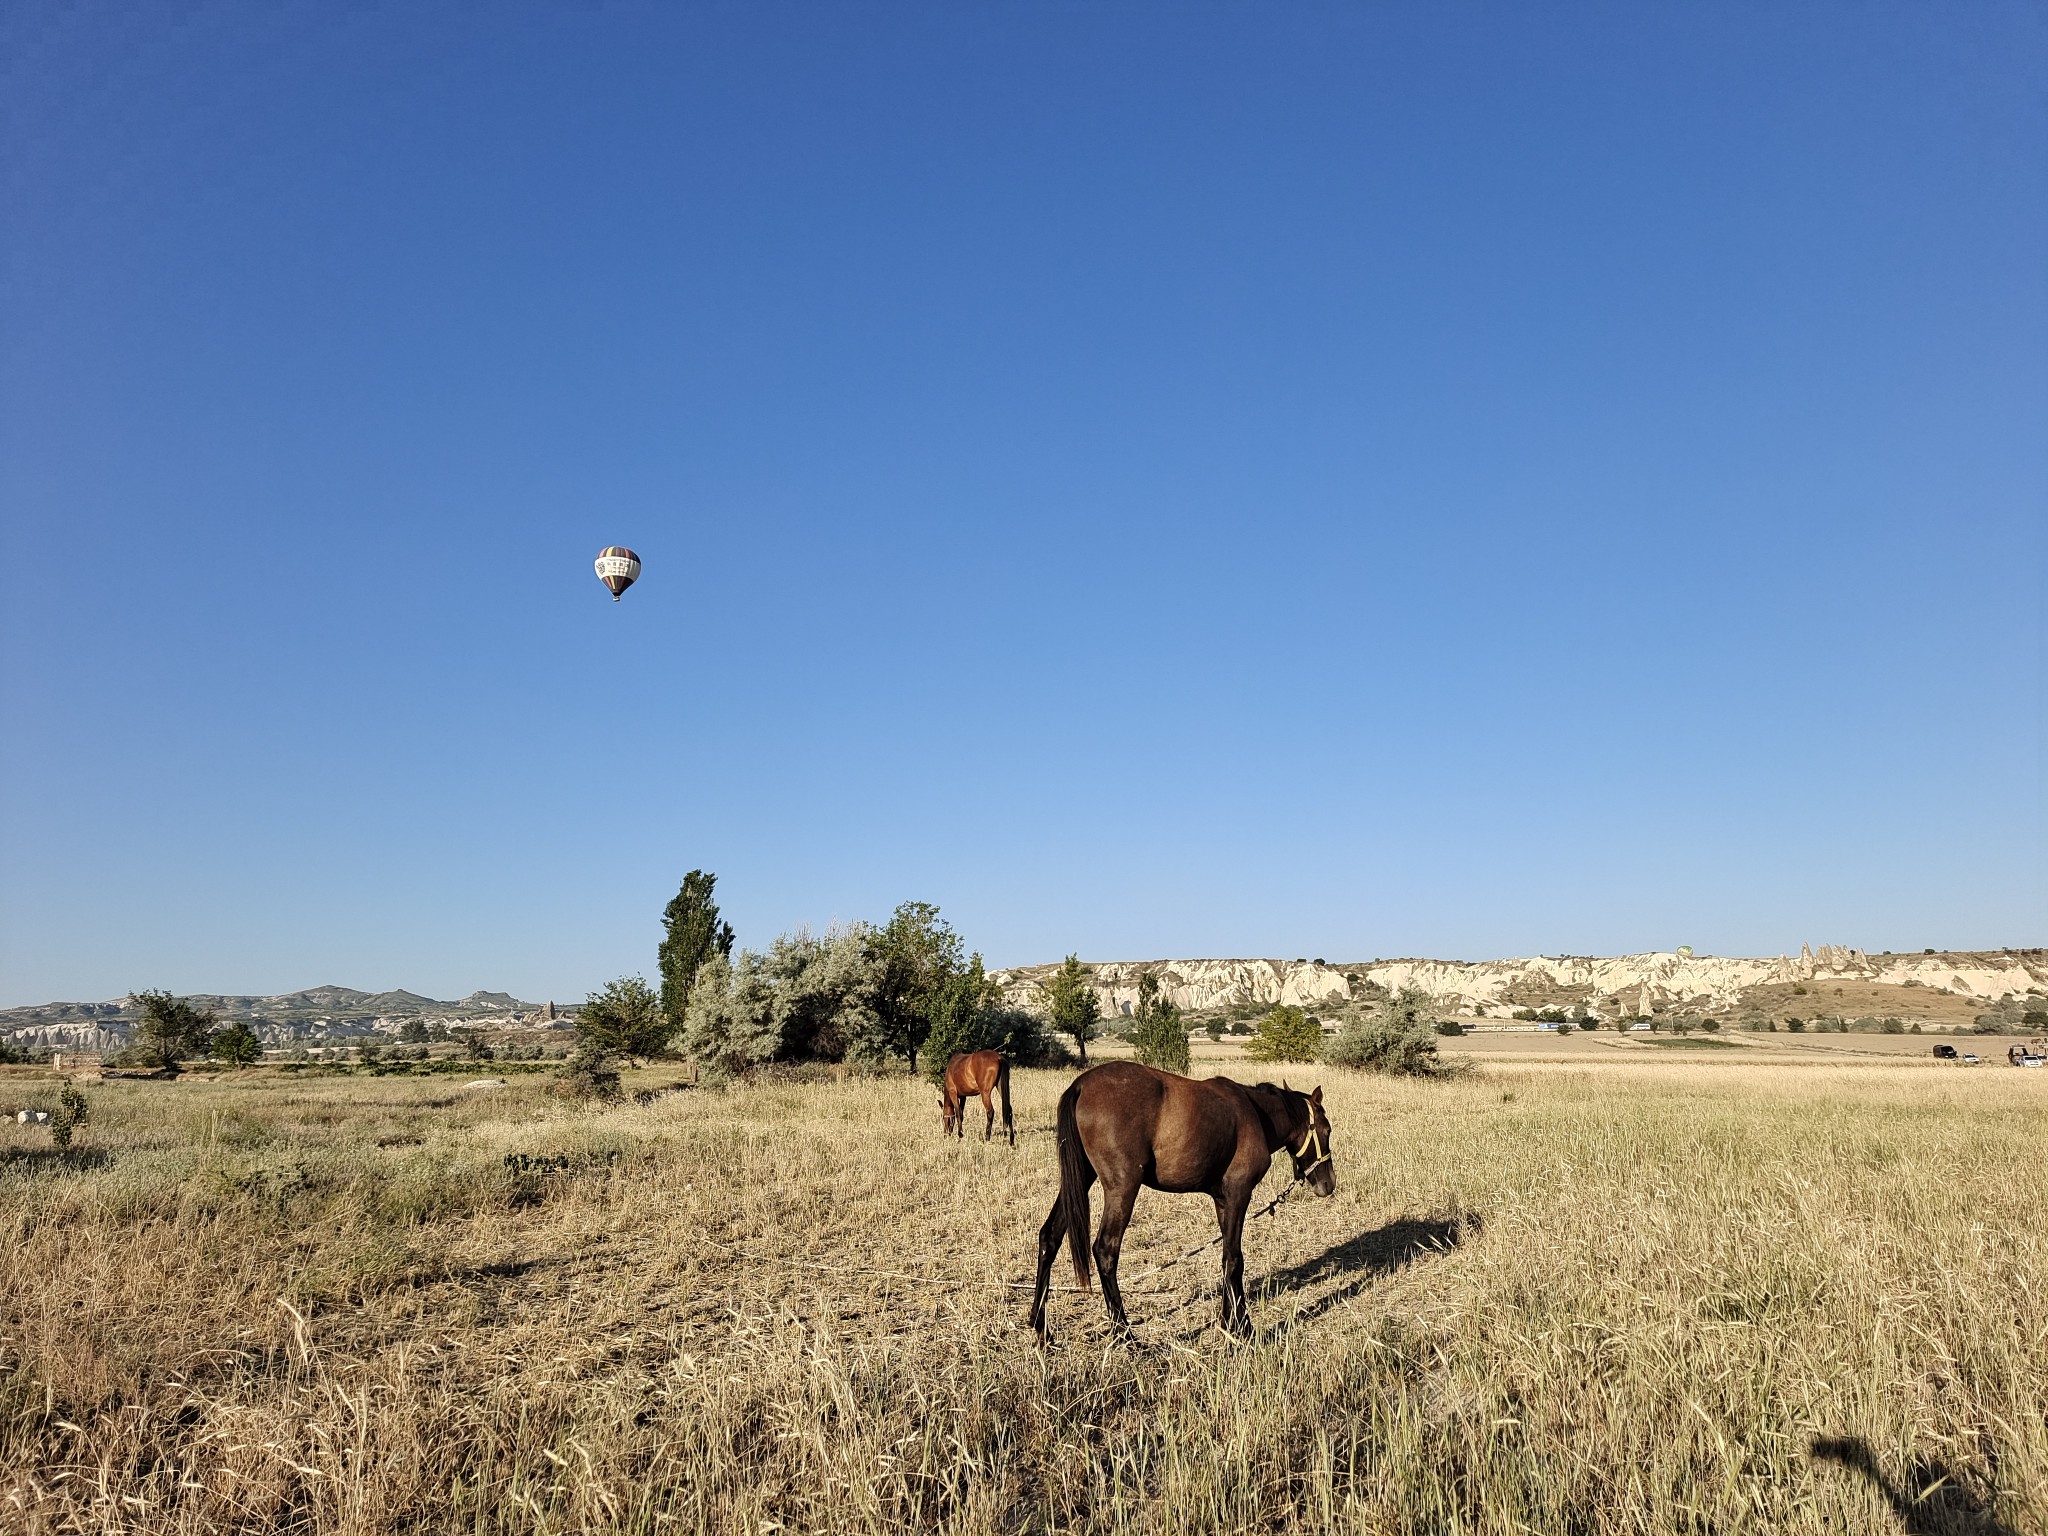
[[907, 991], [872, 996]]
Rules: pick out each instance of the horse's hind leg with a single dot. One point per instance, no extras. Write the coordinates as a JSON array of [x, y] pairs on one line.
[[1117, 1202], [1050, 1236], [988, 1104]]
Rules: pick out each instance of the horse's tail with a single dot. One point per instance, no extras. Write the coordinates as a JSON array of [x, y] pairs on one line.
[[1076, 1173], [1003, 1091]]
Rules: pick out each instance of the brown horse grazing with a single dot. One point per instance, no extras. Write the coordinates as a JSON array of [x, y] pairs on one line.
[[986, 1073], [1130, 1125]]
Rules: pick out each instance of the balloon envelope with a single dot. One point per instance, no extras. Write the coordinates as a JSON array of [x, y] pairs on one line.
[[618, 569]]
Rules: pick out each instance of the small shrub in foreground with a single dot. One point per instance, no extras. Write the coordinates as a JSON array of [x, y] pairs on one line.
[[589, 1074], [72, 1111]]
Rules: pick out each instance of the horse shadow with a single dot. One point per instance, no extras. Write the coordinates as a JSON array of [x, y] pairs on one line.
[[1931, 1501], [55, 1159], [1368, 1257]]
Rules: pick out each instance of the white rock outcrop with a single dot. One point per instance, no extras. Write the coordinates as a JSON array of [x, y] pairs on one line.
[[1639, 981]]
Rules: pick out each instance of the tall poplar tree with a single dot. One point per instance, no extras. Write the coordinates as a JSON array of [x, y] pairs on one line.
[[691, 933]]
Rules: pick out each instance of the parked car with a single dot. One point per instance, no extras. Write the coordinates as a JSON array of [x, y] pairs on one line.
[[1945, 1053]]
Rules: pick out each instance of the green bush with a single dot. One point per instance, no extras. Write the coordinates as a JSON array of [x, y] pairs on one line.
[[1023, 1037], [1286, 1034], [589, 1074], [1396, 1037], [624, 1018], [1449, 1027]]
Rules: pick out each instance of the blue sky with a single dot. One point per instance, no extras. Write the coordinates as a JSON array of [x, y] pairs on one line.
[[1153, 479]]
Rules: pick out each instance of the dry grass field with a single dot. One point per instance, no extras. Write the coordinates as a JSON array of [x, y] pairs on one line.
[[1623, 1291]]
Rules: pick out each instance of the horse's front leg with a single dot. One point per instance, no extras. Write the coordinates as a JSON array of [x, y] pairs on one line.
[[1230, 1209]]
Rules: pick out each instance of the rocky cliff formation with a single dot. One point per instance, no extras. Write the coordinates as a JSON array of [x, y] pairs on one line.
[[1624, 983]]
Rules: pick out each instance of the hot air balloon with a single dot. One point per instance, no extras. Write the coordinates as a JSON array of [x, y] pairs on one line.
[[618, 569]]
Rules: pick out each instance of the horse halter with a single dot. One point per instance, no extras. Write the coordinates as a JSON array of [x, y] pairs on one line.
[[1313, 1140]]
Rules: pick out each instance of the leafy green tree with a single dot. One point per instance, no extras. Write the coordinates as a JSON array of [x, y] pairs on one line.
[[170, 1030], [1075, 1007], [965, 1004], [917, 956], [1157, 1034], [236, 1045], [691, 933], [1023, 1037], [1286, 1034], [624, 1018]]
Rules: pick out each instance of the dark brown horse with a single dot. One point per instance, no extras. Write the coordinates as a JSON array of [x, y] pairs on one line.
[[1130, 1125], [986, 1073]]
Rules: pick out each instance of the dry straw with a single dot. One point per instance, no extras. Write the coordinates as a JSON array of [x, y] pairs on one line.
[[1628, 1298]]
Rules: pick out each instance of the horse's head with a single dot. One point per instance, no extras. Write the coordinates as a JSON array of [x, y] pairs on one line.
[[945, 1114], [1312, 1153]]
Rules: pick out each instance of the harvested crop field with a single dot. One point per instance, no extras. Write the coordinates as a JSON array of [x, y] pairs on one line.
[[1634, 1292]]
